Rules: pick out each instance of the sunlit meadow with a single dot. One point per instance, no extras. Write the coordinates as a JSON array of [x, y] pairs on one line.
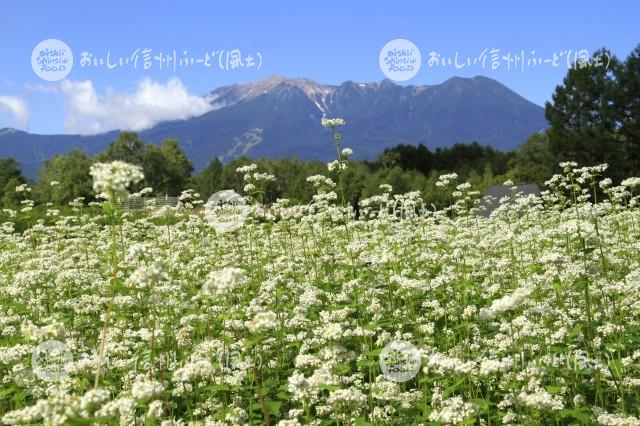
[[214, 315]]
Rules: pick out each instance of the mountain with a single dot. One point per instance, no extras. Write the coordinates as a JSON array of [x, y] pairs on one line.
[[30, 150], [281, 117]]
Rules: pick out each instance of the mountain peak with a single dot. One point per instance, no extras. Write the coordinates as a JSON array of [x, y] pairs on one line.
[[228, 95], [272, 79], [310, 87], [457, 80], [8, 130], [469, 80], [279, 116], [386, 83]]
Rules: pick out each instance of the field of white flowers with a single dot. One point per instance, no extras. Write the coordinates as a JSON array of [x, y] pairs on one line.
[[279, 316]]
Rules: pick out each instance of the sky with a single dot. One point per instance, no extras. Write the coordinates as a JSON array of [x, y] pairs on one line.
[[327, 41]]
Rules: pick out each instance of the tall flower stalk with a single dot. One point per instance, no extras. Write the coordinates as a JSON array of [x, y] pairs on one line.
[[340, 163], [111, 181]]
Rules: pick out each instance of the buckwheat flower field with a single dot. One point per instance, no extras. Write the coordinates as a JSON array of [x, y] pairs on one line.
[[247, 315]]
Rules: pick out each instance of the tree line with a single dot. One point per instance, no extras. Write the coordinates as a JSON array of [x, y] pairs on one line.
[[168, 171]]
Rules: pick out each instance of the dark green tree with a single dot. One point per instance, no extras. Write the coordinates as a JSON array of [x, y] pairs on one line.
[[208, 180], [71, 171], [166, 169], [128, 147], [177, 165], [628, 108], [230, 179], [584, 115], [9, 169], [408, 157], [533, 162], [389, 158], [11, 198], [10, 177]]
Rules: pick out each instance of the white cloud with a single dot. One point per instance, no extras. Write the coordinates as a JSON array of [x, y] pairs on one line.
[[149, 104], [16, 108], [44, 88]]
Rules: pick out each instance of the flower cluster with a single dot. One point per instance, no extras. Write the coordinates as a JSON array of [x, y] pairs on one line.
[[331, 123], [111, 180], [255, 182], [224, 281]]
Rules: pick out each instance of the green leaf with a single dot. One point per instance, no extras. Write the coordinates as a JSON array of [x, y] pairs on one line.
[[616, 368], [20, 396], [360, 421], [553, 389], [274, 407], [583, 415], [329, 387], [557, 286], [482, 404], [7, 391], [285, 396], [374, 353]]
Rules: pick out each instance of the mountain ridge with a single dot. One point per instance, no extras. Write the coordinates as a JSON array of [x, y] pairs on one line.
[[279, 116]]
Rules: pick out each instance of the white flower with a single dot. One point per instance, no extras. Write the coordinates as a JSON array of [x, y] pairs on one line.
[[122, 407], [298, 385], [631, 182], [333, 165], [155, 410], [192, 370], [264, 177], [506, 303], [223, 282], [319, 180], [145, 276], [143, 191], [144, 390], [34, 333], [351, 396], [608, 419], [541, 400], [445, 180], [263, 321], [386, 188], [605, 183], [93, 399], [246, 169], [330, 123], [111, 180], [454, 411]]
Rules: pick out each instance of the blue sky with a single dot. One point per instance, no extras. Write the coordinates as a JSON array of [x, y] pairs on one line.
[[328, 41]]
